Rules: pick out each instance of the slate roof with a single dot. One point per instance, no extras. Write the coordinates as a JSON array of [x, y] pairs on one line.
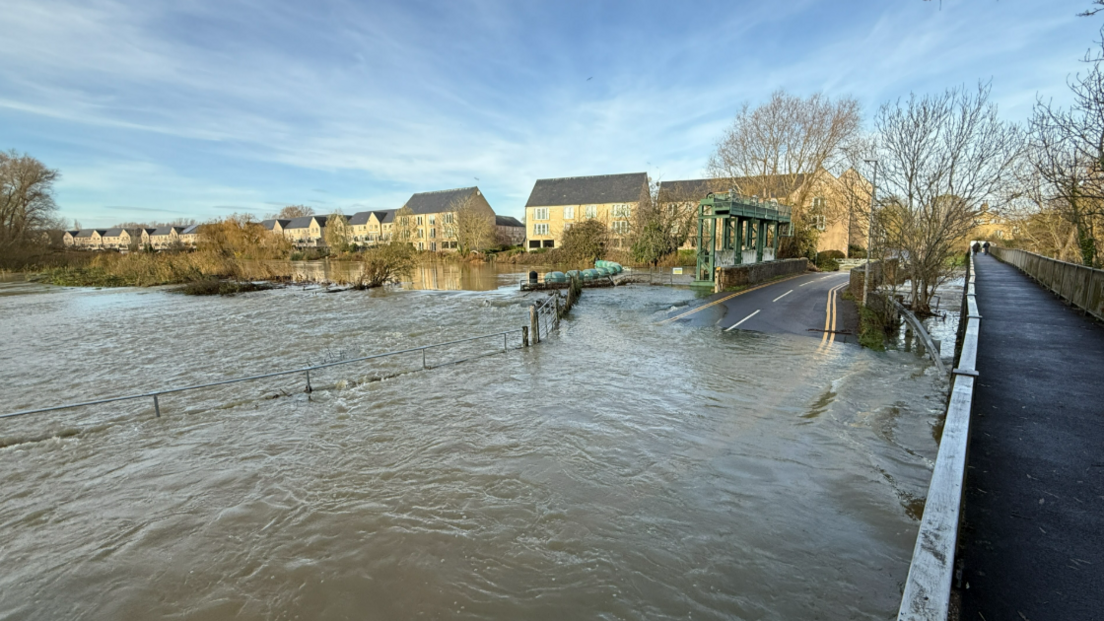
[[385, 217], [623, 188], [507, 221], [73, 233], [441, 200], [89, 232], [304, 222], [112, 232], [192, 229], [697, 189], [359, 218], [271, 224], [167, 230]]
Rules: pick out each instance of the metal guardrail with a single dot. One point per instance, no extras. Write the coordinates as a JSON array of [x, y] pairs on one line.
[[306, 370], [927, 593], [1079, 285]]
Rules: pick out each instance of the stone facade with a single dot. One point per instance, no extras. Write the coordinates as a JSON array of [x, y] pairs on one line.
[[752, 273], [556, 204]]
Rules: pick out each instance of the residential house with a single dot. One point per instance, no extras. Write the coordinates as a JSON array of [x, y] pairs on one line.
[[90, 239], [433, 221], [120, 239], [165, 237], [275, 225], [555, 205], [834, 206], [144, 235], [366, 227], [69, 238], [509, 231], [306, 231], [190, 235]]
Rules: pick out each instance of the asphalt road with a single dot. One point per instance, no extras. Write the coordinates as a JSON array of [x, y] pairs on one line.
[[1033, 543], [810, 304]]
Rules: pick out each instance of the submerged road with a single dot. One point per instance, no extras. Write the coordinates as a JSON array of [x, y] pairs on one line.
[[809, 304]]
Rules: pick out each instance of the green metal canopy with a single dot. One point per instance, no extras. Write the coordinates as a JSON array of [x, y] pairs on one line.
[[731, 225]]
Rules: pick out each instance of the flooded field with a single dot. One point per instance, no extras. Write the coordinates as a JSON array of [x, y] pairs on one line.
[[620, 470]]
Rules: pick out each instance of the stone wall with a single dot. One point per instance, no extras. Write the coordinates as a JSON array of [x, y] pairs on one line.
[[752, 273], [877, 276]]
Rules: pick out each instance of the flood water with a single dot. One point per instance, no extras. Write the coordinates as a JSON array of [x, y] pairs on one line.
[[622, 469]]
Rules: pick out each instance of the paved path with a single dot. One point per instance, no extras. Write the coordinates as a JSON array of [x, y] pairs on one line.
[[810, 304], [1033, 543]]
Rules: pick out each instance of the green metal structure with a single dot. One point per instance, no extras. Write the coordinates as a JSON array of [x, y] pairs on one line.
[[734, 229]]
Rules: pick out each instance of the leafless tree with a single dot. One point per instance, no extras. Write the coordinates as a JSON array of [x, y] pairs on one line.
[[384, 264], [339, 235], [941, 158], [474, 228], [770, 151], [1067, 151], [292, 211], [27, 207], [405, 227]]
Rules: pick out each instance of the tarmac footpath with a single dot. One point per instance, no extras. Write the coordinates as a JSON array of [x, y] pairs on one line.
[[1032, 546]]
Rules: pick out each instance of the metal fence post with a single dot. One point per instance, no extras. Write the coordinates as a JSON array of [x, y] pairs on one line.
[[525, 336], [309, 389], [534, 326], [156, 406], [423, 358]]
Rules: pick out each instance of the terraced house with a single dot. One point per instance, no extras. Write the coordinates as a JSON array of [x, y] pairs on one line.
[[120, 239], [555, 205], [165, 237], [446, 219], [306, 231], [89, 239], [371, 227]]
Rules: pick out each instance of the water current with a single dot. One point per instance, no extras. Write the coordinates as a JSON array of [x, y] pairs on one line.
[[622, 469]]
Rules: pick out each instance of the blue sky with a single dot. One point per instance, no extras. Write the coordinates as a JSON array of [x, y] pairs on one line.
[[159, 110]]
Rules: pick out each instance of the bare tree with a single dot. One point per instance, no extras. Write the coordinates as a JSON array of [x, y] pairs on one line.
[[339, 235], [772, 150], [27, 205], [941, 158], [292, 211], [585, 242], [405, 227], [384, 264], [475, 228], [1067, 151], [660, 224]]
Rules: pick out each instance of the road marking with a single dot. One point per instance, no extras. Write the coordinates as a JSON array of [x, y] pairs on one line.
[[829, 335], [782, 296], [727, 298], [733, 326]]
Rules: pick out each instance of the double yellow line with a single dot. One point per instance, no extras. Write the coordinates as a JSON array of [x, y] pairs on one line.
[[830, 317]]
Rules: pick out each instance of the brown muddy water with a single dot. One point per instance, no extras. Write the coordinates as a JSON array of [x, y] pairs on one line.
[[620, 470]]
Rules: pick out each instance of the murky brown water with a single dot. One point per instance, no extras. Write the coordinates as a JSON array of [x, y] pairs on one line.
[[620, 470]]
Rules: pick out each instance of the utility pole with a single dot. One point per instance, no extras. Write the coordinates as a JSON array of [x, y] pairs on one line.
[[870, 233]]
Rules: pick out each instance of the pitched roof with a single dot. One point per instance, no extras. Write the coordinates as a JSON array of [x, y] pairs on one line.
[[191, 229], [167, 230], [507, 221], [89, 232], [73, 233], [385, 217], [304, 222], [441, 200], [359, 218], [695, 189], [113, 232], [781, 185], [271, 224], [622, 188]]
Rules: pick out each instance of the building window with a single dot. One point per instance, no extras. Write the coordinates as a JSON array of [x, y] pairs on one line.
[[419, 220], [448, 218], [421, 246], [818, 203], [549, 243], [569, 213], [432, 232], [567, 227], [534, 243], [621, 211], [619, 227], [592, 211], [540, 229], [433, 246], [433, 219], [540, 213], [820, 223]]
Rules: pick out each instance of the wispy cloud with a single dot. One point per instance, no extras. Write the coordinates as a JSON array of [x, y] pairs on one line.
[[199, 108]]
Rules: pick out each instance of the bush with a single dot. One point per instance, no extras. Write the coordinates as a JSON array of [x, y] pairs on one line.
[[828, 265], [830, 254], [385, 264], [856, 252]]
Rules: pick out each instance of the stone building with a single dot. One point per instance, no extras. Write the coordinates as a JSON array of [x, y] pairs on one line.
[[509, 231], [432, 220], [555, 205]]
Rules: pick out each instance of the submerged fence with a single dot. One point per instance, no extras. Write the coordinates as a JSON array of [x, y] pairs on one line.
[[927, 592], [1081, 286], [545, 317]]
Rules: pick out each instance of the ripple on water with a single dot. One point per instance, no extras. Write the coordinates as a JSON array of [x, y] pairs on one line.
[[623, 469]]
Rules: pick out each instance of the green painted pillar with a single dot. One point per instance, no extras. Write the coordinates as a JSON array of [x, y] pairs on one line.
[[712, 249], [777, 238], [760, 240], [738, 246]]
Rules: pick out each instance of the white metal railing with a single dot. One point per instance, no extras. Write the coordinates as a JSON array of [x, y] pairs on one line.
[[928, 587]]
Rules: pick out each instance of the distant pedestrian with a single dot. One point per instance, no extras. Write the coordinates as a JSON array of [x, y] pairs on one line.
[[977, 247], [985, 247]]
